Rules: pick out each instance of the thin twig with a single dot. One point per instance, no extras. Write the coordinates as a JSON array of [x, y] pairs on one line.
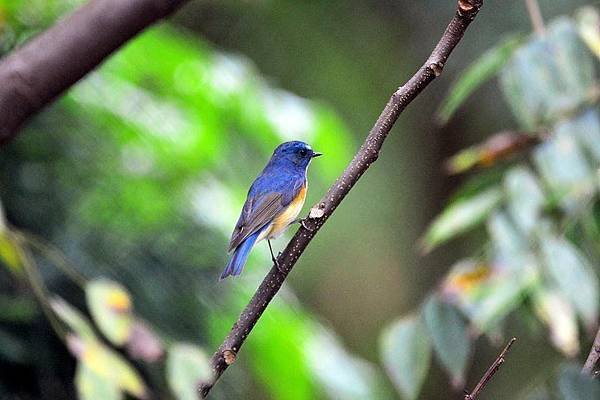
[[535, 15], [366, 155], [56, 257], [40, 291], [593, 357], [489, 374], [35, 74]]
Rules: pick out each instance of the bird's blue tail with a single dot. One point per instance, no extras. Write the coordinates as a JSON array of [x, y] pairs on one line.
[[240, 255]]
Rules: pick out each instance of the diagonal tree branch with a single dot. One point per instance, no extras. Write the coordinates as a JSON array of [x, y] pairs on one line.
[[35, 74], [593, 357], [367, 154]]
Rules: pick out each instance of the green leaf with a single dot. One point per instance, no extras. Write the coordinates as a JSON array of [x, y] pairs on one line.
[[406, 352], [450, 338], [461, 216], [573, 385], [187, 366], [464, 160], [525, 198], [585, 128], [478, 183], [514, 271], [549, 76], [479, 72], [73, 318], [110, 306], [564, 168], [342, 375], [572, 274], [91, 386], [510, 246], [498, 297]]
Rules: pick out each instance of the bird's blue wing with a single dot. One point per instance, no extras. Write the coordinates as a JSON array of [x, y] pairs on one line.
[[268, 197]]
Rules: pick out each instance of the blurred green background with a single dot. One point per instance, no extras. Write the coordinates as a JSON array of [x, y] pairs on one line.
[[138, 173]]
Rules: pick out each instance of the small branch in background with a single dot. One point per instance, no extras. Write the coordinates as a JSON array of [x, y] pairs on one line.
[[593, 357], [32, 76], [367, 154], [489, 374], [533, 8], [55, 256], [506, 144]]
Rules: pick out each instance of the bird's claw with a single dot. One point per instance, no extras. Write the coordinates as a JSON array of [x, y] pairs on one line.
[[302, 222]]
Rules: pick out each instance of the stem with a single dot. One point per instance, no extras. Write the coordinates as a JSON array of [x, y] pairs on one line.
[[491, 371], [367, 154], [56, 257], [535, 15], [39, 289]]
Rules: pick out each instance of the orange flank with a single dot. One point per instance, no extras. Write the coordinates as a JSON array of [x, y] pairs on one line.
[[289, 215]]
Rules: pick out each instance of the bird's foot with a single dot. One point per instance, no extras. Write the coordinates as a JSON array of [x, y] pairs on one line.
[[277, 265], [274, 259]]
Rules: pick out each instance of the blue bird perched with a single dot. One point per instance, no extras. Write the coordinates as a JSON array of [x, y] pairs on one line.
[[273, 203]]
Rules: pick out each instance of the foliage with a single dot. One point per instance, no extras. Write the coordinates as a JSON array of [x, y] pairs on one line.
[[541, 254], [134, 155]]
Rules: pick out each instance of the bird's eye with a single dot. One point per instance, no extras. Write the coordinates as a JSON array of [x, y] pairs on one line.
[[303, 153]]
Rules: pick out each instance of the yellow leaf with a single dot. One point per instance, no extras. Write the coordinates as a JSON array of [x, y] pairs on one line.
[[111, 308], [10, 253], [465, 276], [556, 312], [108, 364], [588, 24]]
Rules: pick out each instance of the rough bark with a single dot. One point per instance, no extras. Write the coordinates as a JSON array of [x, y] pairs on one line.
[[34, 75]]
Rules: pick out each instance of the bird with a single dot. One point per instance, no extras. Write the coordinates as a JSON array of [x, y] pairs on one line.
[[274, 201]]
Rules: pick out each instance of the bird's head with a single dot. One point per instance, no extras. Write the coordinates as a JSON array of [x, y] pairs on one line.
[[296, 152]]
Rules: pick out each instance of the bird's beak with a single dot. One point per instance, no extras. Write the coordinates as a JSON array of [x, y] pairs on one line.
[[316, 155]]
